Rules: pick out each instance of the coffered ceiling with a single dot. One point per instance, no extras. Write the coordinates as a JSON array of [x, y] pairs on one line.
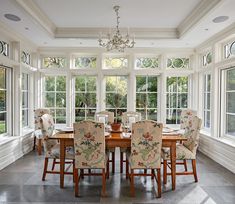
[[155, 23]]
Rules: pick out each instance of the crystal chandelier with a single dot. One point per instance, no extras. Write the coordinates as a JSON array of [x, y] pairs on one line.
[[116, 41]]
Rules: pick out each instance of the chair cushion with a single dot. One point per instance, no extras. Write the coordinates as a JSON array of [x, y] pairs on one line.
[[54, 152], [181, 153]]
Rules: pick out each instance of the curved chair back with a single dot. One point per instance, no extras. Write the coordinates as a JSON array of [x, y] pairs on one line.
[[146, 145], [37, 116], [102, 115], [186, 116], [131, 116], [89, 145], [192, 133]]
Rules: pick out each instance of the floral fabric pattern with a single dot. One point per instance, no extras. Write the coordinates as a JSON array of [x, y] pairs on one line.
[[146, 144], [38, 113], [186, 118], [89, 144]]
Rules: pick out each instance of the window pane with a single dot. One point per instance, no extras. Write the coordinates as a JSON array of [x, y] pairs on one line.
[[60, 116], [152, 84], [141, 100], [141, 84], [54, 62], [115, 62], [24, 99], [60, 83], [230, 129], [2, 78], [80, 84], [182, 100], [60, 99], [147, 62], [85, 62], [231, 79], [2, 100], [79, 115], [50, 83], [25, 118], [152, 100], [50, 100], [231, 102], [152, 114], [3, 123]]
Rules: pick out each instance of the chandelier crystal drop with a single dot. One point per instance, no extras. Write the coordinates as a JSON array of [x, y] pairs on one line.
[[116, 41]]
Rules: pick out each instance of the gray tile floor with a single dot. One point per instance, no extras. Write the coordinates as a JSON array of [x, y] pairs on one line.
[[21, 183]]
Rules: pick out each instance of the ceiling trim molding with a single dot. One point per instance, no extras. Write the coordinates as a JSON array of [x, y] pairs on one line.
[[140, 33], [38, 15], [198, 13]]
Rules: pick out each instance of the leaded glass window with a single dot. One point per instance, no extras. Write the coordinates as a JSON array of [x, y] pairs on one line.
[[85, 97], [3, 100], [25, 57], [115, 62], [116, 94], [54, 62], [207, 59], [85, 62], [229, 50], [55, 97], [178, 63], [207, 101], [25, 99], [147, 62], [147, 97], [177, 98]]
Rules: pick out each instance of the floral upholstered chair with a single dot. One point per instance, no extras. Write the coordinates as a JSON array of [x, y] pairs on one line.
[[51, 146], [128, 118], [89, 146], [37, 130], [185, 117], [101, 117], [146, 145], [185, 151]]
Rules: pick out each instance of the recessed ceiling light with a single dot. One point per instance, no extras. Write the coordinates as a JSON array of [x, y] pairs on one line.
[[26, 28], [12, 17], [206, 29], [80, 43], [220, 19]]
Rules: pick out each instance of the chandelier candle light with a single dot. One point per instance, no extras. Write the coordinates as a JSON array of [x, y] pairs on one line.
[[117, 41]]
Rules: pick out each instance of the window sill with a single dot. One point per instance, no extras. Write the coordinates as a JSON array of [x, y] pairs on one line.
[[227, 141], [27, 131]]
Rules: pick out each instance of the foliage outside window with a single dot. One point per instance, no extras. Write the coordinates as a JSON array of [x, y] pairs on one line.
[[178, 63], [85, 98], [177, 98], [147, 62], [4, 48], [3, 101], [230, 102], [115, 62], [207, 101], [146, 96], [85, 62], [229, 50], [207, 59], [55, 97], [25, 99], [54, 62], [25, 57], [116, 95]]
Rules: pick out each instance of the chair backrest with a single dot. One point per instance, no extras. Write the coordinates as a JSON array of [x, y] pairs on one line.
[[47, 125], [186, 116], [89, 145], [104, 114], [37, 116], [146, 144], [192, 133], [130, 116]]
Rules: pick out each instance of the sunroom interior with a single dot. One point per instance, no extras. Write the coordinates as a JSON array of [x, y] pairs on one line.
[[179, 55]]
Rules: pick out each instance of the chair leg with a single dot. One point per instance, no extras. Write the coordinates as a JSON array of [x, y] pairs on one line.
[[103, 183], [121, 162], [77, 178], [74, 171], [152, 172], [53, 164], [132, 183], [107, 171], [185, 165], [39, 147], [45, 169], [127, 168], [159, 185], [82, 173], [89, 171], [113, 162], [34, 143], [194, 170], [145, 171], [164, 171]]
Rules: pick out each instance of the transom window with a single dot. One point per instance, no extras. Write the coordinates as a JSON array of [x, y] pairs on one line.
[[146, 96], [55, 97], [3, 101], [178, 63], [85, 97], [25, 57], [207, 59], [147, 62], [115, 62], [85, 62], [54, 62], [25, 99], [229, 50], [116, 95], [177, 98], [207, 101], [4, 48]]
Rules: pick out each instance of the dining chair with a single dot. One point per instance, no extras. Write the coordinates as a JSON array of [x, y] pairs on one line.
[[37, 128], [146, 144], [52, 147], [101, 117], [185, 151], [90, 153], [128, 118]]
